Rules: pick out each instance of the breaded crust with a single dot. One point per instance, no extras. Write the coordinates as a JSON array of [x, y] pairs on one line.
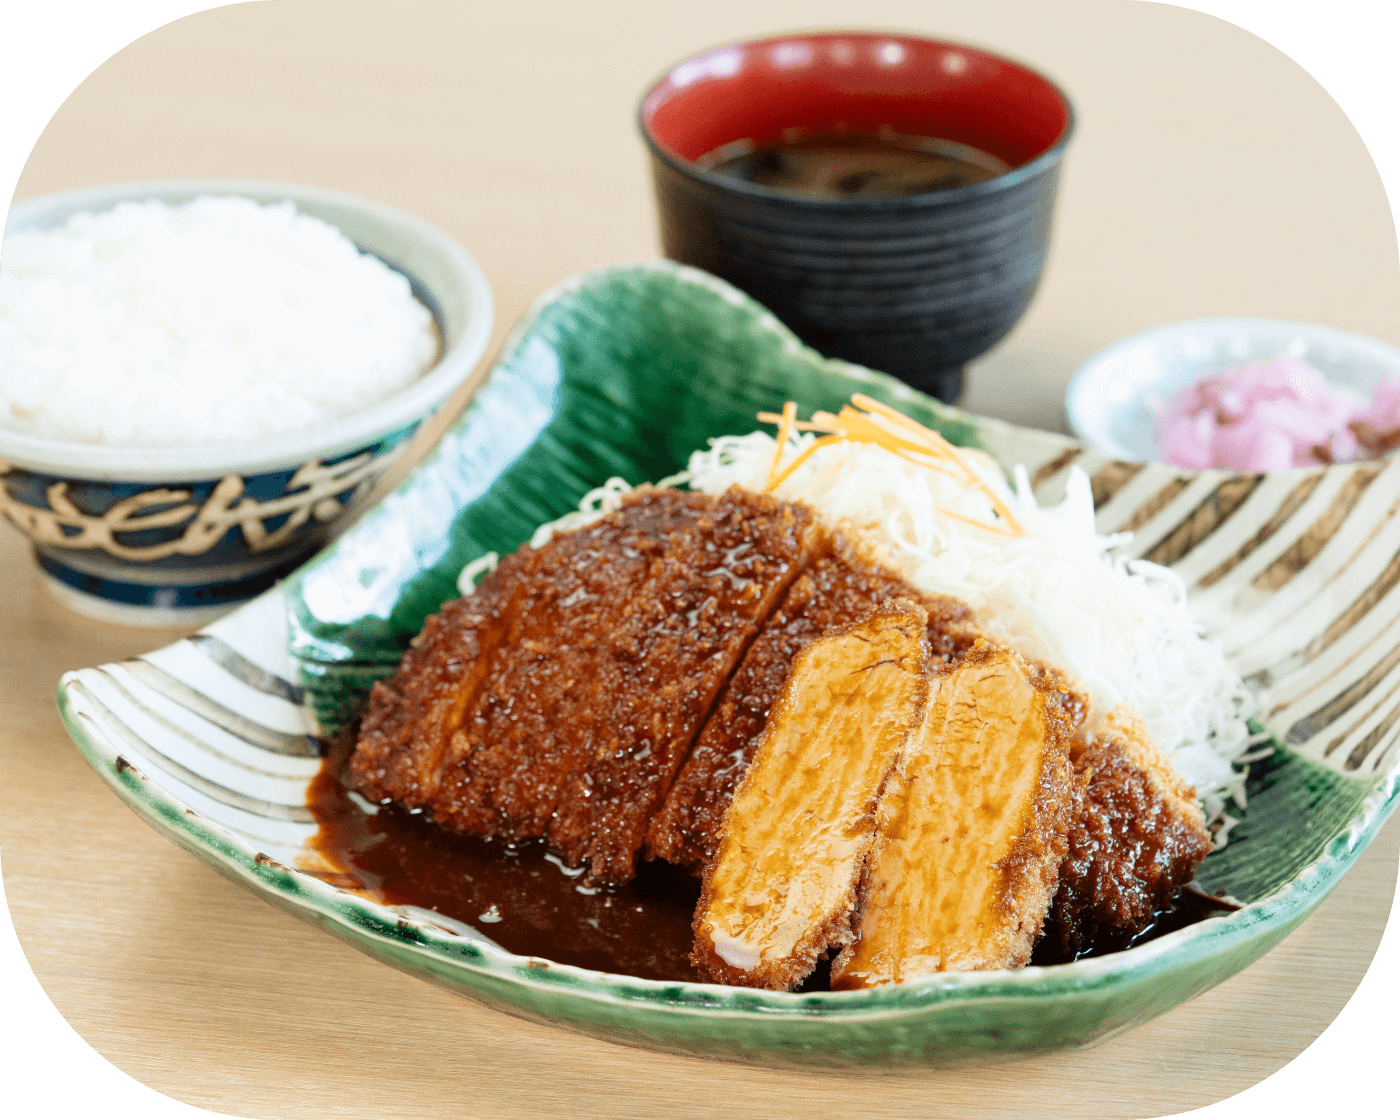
[[782, 886], [522, 740], [561, 697], [412, 717], [844, 581], [1137, 840], [719, 581], [972, 828]]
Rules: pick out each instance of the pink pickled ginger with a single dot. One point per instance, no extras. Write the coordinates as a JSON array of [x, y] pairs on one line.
[[1267, 416]]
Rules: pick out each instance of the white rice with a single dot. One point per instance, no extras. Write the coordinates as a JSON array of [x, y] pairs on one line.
[[151, 325]]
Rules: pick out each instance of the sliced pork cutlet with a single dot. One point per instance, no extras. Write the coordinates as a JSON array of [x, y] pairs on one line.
[[841, 586], [972, 828], [1136, 842], [413, 715], [515, 750], [541, 713], [415, 736], [660, 671], [782, 886]]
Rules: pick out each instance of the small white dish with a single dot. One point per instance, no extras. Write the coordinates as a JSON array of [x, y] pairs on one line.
[[1106, 404]]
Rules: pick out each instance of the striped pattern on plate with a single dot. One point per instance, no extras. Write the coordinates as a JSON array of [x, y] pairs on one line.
[[1297, 573]]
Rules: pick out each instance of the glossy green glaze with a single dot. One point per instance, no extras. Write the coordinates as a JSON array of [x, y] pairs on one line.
[[1295, 808], [623, 374], [952, 1019]]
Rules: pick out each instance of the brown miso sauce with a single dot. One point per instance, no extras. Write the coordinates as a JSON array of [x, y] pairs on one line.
[[858, 166], [1189, 905], [517, 895], [523, 899]]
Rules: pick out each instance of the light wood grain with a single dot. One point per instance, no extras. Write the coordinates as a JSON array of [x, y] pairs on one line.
[[1210, 176]]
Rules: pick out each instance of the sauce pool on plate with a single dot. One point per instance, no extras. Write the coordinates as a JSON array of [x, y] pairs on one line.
[[519, 895], [524, 898]]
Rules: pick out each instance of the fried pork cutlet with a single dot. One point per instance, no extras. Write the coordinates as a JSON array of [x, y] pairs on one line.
[[413, 727], [723, 683], [605, 650], [972, 828], [782, 886], [840, 587], [412, 717], [1136, 842], [717, 584]]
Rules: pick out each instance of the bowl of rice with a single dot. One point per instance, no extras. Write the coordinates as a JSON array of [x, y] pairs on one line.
[[200, 379]]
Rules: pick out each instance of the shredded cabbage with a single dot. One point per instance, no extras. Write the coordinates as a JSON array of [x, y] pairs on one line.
[[1059, 592], [1056, 590]]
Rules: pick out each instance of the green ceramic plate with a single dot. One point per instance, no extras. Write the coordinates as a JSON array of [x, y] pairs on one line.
[[624, 371]]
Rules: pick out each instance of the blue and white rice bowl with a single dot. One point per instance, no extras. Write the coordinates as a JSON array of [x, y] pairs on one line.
[[178, 535]]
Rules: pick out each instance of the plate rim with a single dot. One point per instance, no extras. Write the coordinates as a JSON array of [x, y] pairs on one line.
[[357, 918]]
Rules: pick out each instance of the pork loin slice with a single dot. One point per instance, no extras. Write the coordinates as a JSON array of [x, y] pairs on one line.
[[972, 828], [782, 886], [844, 582]]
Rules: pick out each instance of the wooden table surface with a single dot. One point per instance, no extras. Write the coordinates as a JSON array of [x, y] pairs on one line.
[[1209, 176]]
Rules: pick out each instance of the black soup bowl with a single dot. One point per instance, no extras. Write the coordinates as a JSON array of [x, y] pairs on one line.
[[914, 284]]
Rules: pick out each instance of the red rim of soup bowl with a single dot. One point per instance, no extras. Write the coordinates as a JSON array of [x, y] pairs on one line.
[[772, 90]]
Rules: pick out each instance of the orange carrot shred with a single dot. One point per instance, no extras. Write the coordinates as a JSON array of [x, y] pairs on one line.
[[785, 423], [806, 454], [866, 420]]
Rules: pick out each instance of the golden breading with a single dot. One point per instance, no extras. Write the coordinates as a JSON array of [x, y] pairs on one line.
[[1137, 840], [560, 698], [782, 886], [413, 716], [972, 828], [721, 577], [842, 584]]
